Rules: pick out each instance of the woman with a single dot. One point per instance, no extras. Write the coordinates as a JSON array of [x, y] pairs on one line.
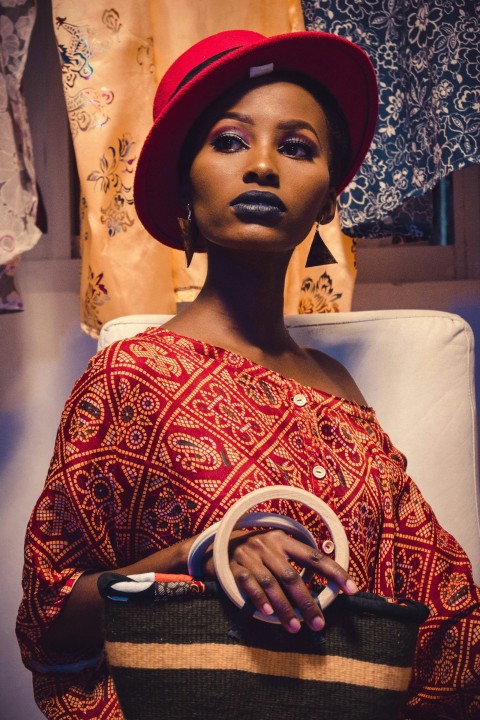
[[252, 140]]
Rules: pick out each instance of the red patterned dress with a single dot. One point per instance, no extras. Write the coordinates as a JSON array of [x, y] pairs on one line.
[[161, 435]]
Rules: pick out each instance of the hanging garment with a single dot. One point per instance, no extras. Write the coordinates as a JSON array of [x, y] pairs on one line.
[[18, 195], [426, 54], [10, 298], [112, 60]]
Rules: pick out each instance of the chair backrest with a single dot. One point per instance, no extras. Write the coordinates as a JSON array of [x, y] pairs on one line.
[[415, 367]]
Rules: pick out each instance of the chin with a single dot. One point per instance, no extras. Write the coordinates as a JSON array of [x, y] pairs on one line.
[[256, 244]]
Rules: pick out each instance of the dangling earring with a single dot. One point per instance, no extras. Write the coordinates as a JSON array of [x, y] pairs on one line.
[[319, 254], [188, 233]]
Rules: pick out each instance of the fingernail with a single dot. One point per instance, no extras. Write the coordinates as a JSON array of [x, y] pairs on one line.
[[294, 625], [351, 587], [267, 609], [317, 623]]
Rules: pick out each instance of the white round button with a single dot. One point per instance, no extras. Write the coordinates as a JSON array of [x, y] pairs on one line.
[[328, 547], [319, 472], [300, 400]]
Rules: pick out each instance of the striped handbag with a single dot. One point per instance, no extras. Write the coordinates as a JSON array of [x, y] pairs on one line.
[[181, 648]]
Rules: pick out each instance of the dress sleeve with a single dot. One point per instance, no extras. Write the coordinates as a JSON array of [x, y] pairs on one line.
[[431, 567], [56, 543], [87, 495], [55, 549]]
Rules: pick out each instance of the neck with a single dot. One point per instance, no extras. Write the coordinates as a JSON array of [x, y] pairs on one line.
[[241, 303]]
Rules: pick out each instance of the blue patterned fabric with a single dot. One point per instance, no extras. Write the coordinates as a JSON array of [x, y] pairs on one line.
[[426, 55]]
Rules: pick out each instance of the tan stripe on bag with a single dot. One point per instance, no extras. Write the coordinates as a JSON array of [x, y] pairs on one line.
[[216, 656]]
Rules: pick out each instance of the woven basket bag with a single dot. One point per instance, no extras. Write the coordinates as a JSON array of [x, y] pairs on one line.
[[180, 648]]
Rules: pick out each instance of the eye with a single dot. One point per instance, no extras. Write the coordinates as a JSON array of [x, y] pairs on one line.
[[228, 142], [298, 148]]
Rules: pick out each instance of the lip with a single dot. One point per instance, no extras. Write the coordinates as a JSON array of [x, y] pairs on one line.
[[258, 204]]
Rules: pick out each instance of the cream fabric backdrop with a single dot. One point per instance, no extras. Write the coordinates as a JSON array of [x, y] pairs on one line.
[[112, 57]]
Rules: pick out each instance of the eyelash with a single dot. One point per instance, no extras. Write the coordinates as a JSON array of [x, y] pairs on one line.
[[309, 150], [228, 135], [301, 143]]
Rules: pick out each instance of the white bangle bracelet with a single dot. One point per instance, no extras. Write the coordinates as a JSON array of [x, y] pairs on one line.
[[236, 511]]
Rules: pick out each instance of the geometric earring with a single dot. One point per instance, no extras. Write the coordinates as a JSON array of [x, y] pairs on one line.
[[319, 253], [188, 232]]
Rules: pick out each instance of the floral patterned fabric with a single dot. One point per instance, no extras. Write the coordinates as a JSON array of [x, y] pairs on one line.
[[426, 54], [159, 438], [112, 59], [18, 194], [10, 298]]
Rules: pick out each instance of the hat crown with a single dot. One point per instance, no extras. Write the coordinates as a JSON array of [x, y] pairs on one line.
[[196, 58]]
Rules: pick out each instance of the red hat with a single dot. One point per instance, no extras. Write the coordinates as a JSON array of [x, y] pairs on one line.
[[216, 64]]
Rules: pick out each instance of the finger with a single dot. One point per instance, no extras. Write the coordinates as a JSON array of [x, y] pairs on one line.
[[251, 587], [262, 588], [297, 593], [321, 564]]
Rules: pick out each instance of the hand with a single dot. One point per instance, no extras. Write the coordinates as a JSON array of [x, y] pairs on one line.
[[262, 568]]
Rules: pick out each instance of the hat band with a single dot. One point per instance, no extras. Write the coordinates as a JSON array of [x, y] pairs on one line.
[[198, 69]]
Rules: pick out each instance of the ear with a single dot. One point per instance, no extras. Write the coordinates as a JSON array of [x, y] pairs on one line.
[[327, 212]]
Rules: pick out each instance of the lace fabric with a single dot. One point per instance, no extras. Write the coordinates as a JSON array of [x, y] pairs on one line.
[[427, 60]]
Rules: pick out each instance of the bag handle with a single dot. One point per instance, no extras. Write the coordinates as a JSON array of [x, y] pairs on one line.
[[223, 529], [251, 520]]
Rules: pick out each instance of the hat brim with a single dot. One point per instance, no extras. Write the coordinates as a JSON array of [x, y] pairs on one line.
[[342, 67]]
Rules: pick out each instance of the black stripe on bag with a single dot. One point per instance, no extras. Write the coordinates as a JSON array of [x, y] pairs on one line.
[[202, 694]]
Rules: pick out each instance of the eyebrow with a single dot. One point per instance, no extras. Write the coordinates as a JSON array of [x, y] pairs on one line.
[[284, 125], [298, 125]]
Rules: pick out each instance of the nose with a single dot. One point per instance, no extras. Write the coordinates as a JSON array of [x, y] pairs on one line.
[[261, 166]]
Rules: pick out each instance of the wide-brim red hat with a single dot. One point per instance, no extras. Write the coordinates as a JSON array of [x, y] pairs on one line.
[[216, 64]]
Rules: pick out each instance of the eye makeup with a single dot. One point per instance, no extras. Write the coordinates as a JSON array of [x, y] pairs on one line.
[[299, 147], [228, 139]]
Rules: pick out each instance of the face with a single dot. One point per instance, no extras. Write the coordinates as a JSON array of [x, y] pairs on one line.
[[260, 177]]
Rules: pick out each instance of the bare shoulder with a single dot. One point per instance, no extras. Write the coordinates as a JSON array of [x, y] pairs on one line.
[[333, 377]]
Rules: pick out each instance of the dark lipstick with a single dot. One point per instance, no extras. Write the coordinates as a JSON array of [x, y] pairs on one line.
[[258, 204]]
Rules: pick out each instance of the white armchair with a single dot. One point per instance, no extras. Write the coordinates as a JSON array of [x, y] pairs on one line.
[[415, 367]]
